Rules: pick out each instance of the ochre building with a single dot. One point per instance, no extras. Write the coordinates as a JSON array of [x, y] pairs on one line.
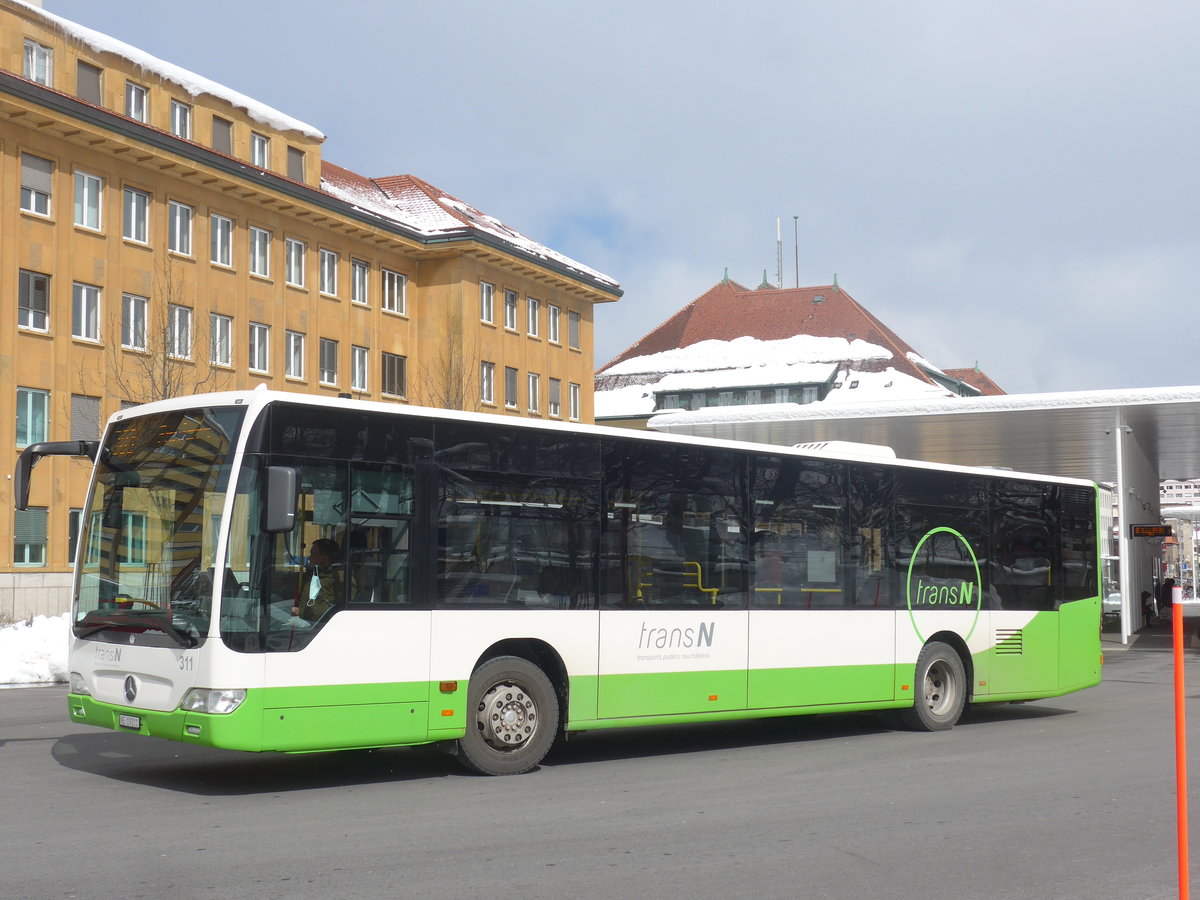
[[161, 234]]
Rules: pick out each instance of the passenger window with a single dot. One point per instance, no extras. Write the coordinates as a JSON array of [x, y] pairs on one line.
[[799, 508], [1024, 528], [674, 527]]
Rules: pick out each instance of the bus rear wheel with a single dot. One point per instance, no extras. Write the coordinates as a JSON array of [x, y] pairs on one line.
[[940, 683], [512, 717]]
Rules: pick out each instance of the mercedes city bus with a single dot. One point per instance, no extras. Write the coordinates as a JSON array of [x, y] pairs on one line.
[[496, 584]]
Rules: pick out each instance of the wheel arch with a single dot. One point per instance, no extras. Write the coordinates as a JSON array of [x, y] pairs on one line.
[[956, 643], [542, 655]]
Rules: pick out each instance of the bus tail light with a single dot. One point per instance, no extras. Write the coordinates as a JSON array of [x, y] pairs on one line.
[[218, 702]]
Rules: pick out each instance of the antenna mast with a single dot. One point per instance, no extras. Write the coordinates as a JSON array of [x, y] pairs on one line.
[[796, 230], [778, 254]]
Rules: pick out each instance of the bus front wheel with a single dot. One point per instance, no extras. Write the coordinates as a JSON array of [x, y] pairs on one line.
[[940, 683], [512, 717]]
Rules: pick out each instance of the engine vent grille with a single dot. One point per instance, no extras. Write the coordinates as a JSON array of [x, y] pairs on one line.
[[1010, 641]]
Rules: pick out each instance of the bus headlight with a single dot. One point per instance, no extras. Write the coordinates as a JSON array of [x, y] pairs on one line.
[[78, 685], [218, 702]]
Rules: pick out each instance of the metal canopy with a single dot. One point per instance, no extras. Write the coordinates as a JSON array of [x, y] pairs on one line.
[[1056, 434]]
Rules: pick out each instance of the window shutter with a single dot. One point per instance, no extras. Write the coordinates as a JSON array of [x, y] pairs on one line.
[[222, 135], [87, 84], [32, 291], [36, 173], [30, 526], [85, 417]]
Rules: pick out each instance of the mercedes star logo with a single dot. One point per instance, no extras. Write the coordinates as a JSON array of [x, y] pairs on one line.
[[130, 688]]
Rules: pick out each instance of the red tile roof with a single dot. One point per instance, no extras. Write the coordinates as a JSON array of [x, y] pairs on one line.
[[977, 379], [728, 310]]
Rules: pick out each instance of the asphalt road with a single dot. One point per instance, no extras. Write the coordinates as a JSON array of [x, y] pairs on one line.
[[1072, 797]]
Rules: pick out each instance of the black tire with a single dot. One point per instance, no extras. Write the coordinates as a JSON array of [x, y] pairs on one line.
[[940, 684], [512, 717]]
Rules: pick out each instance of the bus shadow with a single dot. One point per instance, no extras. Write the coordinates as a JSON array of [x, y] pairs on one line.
[[205, 771], [667, 740], [209, 772]]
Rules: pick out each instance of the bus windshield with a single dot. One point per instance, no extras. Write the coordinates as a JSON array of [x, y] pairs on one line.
[[149, 536]]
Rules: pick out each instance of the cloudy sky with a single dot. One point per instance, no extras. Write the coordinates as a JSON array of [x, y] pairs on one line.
[[1008, 182]]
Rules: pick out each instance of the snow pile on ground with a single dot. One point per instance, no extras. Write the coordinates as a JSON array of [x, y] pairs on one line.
[[35, 652]]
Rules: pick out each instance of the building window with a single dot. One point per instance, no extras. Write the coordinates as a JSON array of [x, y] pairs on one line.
[[295, 163], [33, 411], [534, 383], [573, 400], [85, 417], [554, 400], [132, 550], [294, 365], [573, 324], [29, 537], [360, 278], [294, 261], [510, 387], [394, 375], [222, 135], [181, 120], [260, 348], [37, 179], [85, 311], [260, 252], [87, 83], [358, 368], [88, 192], [39, 63], [220, 240], [220, 339], [260, 150], [328, 361], [395, 287], [179, 331], [137, 216], [487, 311], [179, 227], [33, 300], [133, 322], [137, 106], [533, 309], [510, 310], [552, 314], [487, 382], [329, 272]]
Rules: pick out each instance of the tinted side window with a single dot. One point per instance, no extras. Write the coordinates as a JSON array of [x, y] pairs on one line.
[[871, 552], [674, 526], [518, 518], [1023, 537], [800, 537], [1078, 536]]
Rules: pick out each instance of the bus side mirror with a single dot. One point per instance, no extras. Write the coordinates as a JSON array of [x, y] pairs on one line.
[[279, 500]]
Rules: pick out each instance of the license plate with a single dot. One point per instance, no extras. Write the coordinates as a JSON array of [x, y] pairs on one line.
[[134, 722]]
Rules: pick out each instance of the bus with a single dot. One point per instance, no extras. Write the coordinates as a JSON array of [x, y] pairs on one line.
[[267, 571]]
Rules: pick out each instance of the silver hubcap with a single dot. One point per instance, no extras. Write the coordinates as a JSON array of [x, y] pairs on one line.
[[507, 717], [939, 688]]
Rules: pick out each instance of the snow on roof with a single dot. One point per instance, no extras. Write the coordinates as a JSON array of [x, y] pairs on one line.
[[759, 376], [426, 210], [918, 360], [194, 84], [632, 400], [856, 389], [750, 352], [495, 227]]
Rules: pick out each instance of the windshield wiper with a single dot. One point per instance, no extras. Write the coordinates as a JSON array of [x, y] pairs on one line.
[[96, 621]]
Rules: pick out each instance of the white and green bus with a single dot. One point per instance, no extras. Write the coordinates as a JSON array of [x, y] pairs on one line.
[[496, 584]]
